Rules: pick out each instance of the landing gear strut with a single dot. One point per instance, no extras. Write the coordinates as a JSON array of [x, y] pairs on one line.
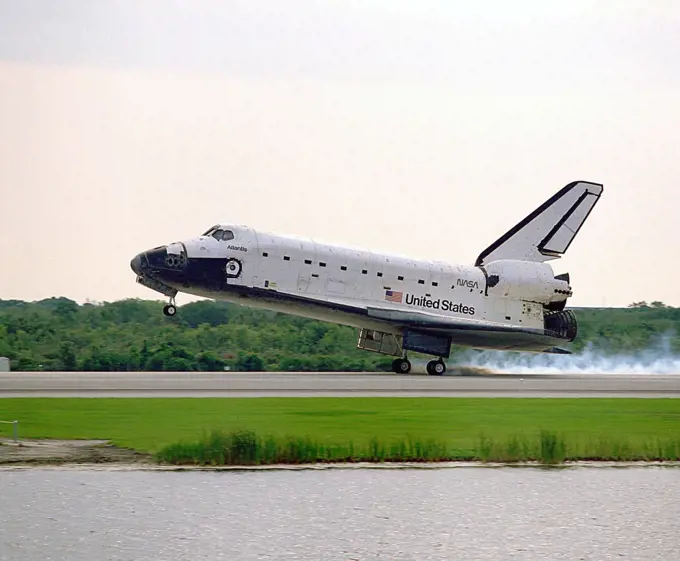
[[436, 367], [170, 309]]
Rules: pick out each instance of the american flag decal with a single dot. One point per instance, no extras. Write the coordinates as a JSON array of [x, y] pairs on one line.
[[392, 296]]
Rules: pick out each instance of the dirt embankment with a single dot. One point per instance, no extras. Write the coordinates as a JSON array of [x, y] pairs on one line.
[[67, 452]]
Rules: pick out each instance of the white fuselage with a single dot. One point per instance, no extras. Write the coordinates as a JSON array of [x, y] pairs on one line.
[[509, 300], [309, 273]]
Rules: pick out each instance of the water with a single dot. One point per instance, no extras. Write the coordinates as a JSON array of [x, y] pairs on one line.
[[372, 514]]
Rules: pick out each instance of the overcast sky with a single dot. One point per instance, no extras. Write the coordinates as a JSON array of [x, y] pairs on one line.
[[421, 128]]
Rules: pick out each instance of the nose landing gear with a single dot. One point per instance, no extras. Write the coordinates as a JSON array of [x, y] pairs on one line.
[[170, 309]]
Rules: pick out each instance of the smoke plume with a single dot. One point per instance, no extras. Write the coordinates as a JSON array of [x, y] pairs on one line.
[[658, 358]]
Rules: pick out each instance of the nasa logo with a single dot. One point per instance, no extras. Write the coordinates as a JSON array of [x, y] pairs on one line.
[[467, 283]]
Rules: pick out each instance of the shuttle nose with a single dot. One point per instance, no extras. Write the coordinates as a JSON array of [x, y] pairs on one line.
[[157, 263], [136, 264]]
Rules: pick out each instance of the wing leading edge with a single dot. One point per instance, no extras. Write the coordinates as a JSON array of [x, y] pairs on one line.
[[548, 231]]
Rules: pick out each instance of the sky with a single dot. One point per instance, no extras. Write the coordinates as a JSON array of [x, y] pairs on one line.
[[423, 128]]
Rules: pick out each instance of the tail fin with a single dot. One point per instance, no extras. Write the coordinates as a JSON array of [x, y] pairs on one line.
[[548, 231]]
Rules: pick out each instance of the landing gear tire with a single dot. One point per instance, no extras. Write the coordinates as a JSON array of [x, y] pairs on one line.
[[169, 310], [401, 366], [436, 368]]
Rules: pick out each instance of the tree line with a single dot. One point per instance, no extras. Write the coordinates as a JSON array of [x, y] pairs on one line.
[[62, 335]]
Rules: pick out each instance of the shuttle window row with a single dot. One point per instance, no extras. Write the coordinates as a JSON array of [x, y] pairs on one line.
[[344, 268]]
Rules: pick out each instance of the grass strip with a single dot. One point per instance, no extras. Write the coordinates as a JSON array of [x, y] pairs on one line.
[[496, 428], [246, 447]]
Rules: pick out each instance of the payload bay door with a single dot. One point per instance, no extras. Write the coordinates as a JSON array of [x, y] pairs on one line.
[[312, 282], [305, 262]]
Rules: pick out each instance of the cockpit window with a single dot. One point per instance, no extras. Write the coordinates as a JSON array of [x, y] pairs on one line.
[[222, 235], [210, 230]]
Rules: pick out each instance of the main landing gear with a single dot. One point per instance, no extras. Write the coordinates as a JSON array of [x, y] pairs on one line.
[[434, 367], [170, 309], [401, 365]]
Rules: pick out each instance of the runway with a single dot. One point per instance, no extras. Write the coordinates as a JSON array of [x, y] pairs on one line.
[[331, 384]]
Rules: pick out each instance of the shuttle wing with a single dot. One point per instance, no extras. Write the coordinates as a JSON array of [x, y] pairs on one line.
[[442, 324], [549, 230], [472, 332]]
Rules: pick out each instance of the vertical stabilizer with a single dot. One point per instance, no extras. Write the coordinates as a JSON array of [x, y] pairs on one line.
[[549, 230]]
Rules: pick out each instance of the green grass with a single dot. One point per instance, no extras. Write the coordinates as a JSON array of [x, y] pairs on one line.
[[245, 447], [492, 429]]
